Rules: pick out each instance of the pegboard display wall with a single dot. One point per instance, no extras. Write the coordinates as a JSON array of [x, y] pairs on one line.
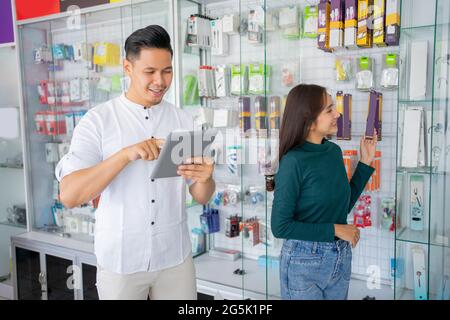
[[313, 66]]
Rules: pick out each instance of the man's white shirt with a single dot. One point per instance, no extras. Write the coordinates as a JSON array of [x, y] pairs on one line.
[[141, 225]]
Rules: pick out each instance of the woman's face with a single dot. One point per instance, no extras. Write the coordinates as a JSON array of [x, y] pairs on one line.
[[326, 122]]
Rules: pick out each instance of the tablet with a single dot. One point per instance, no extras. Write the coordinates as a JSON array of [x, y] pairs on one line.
[[178, 147]]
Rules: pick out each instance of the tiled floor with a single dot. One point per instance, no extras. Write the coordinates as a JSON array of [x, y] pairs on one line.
[[359, 289]]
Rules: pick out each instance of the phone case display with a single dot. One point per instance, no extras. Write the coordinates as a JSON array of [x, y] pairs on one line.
[[245, 82], [344, 122], [421, 213], [392, 22], [365, 21], [65, 72], [374, 115], [351, 24], [337, 18], [263, 62], [323, 29], [379, 14], [261, 74]]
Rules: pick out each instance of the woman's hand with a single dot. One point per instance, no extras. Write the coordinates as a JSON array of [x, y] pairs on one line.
[[368, 147], [347, 232]]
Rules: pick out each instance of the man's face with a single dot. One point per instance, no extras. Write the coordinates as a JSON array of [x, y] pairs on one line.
[[150, 74]]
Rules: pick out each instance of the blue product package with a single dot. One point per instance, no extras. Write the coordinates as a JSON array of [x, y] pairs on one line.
[[58, 52], [204, 223]]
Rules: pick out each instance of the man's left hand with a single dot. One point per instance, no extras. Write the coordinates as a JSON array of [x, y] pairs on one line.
[[199, 169]]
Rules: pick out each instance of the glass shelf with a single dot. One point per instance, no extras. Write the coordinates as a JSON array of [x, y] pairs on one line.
[[9, 166], [10, 224], [439, 245], [424, 171], [412, 236], [402, 101], [416, 28]]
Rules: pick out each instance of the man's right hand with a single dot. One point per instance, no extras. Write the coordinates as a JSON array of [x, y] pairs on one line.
[[145, 150], [347, 232]]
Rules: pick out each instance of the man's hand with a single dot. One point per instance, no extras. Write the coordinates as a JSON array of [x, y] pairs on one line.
[[198, 169], [145, 150]]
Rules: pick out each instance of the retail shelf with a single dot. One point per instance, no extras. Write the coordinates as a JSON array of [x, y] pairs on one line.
[[206, 268], [15, 225], [416, 28], [9, 166], [424, 101], [406, 101]]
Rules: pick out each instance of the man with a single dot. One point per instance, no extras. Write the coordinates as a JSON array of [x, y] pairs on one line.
[[142, 242]]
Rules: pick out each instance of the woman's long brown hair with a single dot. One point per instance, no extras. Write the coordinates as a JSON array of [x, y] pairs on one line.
[[303, 105]]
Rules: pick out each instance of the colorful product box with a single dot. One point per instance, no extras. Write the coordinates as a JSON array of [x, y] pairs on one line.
[[374, 119], [350, 162], [337, 17], [106, 54], [365, 29], [323, 29], [344, 123], [351, 24], [392, 22], [379, 15]]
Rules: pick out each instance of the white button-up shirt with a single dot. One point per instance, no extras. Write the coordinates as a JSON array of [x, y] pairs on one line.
[[141, 225]]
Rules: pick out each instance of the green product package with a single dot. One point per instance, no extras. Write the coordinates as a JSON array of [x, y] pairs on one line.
[[190, 90], [259, 76], [115, 83], [310, 21]]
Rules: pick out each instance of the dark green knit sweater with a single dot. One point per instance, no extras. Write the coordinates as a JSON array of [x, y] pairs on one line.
[[312, 192]]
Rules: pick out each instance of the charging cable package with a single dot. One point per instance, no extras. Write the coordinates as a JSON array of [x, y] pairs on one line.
[[239, 80], [259, 78], [310, 21], [289, 22], [343, 68], [222, 78], [364, 74], [389, 73]]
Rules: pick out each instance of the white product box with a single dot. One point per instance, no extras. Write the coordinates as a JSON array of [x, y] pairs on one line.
[[418, 70], [413, 119]]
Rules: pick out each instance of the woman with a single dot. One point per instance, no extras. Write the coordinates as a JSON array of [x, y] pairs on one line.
[[313, 197]]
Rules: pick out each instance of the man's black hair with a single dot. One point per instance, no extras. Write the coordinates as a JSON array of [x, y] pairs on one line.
[[153, 36]]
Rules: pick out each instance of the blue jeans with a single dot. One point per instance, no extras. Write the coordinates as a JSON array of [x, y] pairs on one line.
[[315, 270]]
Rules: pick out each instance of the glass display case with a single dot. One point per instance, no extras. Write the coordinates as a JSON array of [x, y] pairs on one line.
[[257, 52], [12, 188], [234, 63], [422, 232], [72, 62]]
